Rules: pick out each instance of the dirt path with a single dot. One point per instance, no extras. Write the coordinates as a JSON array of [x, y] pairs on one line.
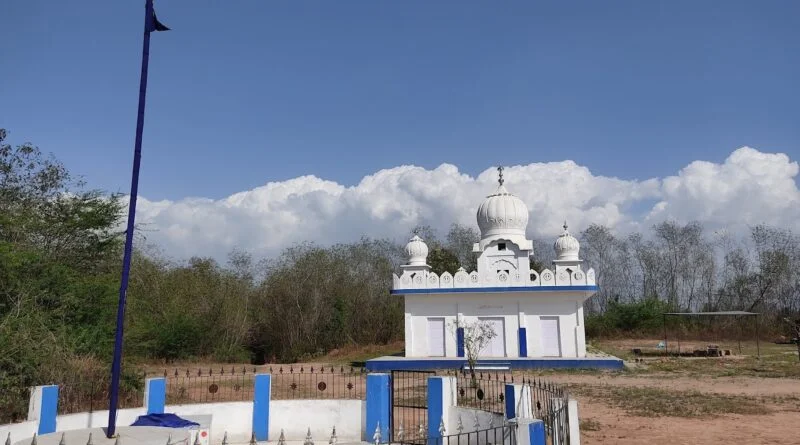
[[619, 428]]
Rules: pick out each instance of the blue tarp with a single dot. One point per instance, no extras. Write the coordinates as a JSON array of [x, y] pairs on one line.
[[168, 420]]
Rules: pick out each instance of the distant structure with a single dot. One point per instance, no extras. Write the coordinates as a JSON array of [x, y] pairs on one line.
[[535, 315]]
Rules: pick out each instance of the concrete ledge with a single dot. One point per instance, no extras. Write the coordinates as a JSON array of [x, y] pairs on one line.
[[389, 363]]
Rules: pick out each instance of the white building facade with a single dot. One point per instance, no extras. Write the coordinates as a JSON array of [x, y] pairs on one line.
[[535, 315]]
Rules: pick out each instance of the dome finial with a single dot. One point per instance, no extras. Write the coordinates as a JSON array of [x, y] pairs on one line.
[[500, 175], [565, 226]]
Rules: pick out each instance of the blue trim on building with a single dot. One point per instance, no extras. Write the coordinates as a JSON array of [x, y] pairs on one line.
[[411, 364], [510, 401], [261, 398], [456, 290], [523, 342], [536, 434], [379, 405], [156, 395], [435, 407], [48, 410], [460, 342]]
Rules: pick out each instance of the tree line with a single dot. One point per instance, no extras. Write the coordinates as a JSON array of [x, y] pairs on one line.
[[60, 257]]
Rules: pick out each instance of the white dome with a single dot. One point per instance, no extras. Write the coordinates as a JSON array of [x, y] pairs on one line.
[[567, 247], [417, 251], [502, 214]]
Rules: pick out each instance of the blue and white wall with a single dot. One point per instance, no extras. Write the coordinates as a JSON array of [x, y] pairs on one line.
[[522, 314]]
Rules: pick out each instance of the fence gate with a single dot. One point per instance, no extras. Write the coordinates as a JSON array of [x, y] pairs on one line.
[[410, 406]]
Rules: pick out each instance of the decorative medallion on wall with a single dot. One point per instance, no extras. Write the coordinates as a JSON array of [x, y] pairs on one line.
[[547, 276], [563, 277], [321, 386], [446, 278], [418, 279], [213, 388]]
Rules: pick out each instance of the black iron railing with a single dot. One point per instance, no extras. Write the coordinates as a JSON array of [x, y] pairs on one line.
[[288, 382], [483, 391]]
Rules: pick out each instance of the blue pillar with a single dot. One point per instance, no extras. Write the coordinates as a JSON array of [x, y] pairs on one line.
[[155, 395], [441, 391], [261, 398], [44, 408], [379, 406], [523, 342], [460, 342], [531, 432], [511, 401]]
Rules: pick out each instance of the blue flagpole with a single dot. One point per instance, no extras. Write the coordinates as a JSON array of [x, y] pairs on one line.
[[126, 260]]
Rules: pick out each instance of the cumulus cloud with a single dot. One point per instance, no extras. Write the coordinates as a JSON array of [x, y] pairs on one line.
[[749, 187]]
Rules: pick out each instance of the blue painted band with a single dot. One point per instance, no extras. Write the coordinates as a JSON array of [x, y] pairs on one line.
[[435, 406], [456, 290], [156, 395], [411, 364], [510, 401], [261, 399], [536, 433], [460, 342], [48, 410], [378, 406], [523, 342]]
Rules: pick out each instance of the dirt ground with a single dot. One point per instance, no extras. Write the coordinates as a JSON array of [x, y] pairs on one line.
[[728, 378]]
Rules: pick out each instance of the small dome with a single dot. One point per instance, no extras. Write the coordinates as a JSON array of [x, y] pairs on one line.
[[417, 251], [566, 246], [502, 213]]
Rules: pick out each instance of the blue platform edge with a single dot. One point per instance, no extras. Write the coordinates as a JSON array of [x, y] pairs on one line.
[[410, 364], [448, 290]]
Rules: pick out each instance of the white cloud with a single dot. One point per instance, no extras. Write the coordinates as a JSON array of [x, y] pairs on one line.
[[749, 187]]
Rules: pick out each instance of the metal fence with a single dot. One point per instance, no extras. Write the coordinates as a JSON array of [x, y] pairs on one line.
[[483, 391], [550, 404], [91, 393], [237, 384]]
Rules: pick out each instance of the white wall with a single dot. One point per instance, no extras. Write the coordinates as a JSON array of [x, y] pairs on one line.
[[567, 306], [18, 431], [296, 416], [234, 417], [97, 419], [468, 419]]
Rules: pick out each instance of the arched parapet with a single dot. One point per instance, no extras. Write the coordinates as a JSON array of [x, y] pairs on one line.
[[432, 280], [461, 278], [474, 279], [547, 278], [578, 278], [503, 278], [446, 280], [395, 281], [534, 280], [563, 278], [590, 278]]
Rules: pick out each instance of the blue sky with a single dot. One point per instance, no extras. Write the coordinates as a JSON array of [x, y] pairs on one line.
[[246, 92]]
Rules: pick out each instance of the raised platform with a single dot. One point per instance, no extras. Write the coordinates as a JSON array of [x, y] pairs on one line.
[[390, 363]]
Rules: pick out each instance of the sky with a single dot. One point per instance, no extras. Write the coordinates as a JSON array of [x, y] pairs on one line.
[[270, 122]]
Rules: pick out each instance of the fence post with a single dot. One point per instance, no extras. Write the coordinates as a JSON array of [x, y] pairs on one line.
[[518, 401], [441, 397], [379, 407], [155, 395], [43, 406], [262, 393], [574, 422], [531, 432]]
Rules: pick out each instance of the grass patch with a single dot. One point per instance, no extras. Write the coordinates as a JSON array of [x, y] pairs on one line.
[[656, 402], [589, 425]]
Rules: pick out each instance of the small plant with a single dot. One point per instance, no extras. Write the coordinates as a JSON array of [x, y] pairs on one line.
[[477, 336]]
